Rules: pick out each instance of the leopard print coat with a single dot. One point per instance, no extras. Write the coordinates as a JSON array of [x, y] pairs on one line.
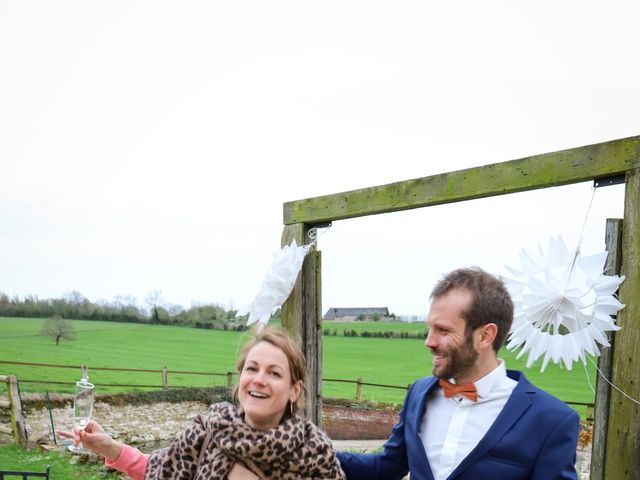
[[294, 450]]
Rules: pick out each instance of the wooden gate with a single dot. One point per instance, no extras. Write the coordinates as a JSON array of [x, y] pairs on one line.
[[617, 160]]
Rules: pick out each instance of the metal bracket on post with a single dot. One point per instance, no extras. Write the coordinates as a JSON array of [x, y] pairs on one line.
[[608, 181], [319, 225]]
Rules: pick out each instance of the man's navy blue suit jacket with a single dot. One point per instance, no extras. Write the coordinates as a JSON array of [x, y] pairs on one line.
[[534, 437]]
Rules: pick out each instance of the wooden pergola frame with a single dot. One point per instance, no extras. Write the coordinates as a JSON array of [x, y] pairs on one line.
[[301, 314]]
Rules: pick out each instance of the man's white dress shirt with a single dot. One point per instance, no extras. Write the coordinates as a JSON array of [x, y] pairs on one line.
[[452, 427]]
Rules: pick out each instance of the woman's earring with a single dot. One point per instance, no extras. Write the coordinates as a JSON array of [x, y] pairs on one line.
[[291, 407]]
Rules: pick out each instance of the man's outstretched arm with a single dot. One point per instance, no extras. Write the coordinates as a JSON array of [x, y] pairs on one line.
[[390, 464]]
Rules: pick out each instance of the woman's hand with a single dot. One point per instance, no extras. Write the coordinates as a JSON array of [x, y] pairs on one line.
[[240, 472], [95, 439]]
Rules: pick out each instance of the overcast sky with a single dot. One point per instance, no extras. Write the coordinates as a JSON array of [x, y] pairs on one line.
[[150, 145]]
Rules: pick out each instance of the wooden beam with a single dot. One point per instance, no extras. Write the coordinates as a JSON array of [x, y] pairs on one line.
[[613, 241], [540, 171], [623, 434], [301, 317]]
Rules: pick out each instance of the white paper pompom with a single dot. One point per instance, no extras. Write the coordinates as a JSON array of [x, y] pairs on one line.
[[563, 305], [277, 283]]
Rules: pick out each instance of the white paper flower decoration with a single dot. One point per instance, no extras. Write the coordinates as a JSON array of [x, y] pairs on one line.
[[563, 305], [277, 283]]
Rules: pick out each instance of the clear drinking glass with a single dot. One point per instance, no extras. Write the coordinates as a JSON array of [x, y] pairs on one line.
[[82, 408]]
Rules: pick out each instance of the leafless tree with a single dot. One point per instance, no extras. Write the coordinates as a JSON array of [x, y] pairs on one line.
[[56, 328], [155, 301]]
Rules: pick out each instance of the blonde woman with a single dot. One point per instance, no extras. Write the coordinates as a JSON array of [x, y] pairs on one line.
[[262, 436]]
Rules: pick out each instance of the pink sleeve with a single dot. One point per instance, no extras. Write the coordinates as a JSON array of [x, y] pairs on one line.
[[130, 461]]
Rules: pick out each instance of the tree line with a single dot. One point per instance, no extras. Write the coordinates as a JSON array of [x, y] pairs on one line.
[[375, 334], [75, 306]]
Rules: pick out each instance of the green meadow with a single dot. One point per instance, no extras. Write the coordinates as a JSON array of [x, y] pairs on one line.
[[36, 460], [389, 361]]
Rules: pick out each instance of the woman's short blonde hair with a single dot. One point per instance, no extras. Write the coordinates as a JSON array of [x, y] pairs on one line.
[[279, 339]]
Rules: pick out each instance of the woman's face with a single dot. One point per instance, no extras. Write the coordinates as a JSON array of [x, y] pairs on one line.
[[265, 388]]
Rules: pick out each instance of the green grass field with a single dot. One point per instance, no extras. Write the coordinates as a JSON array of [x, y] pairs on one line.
[[108, 344], [13, 457]]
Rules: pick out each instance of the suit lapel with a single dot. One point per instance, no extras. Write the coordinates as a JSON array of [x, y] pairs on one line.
[[417, 412], [518, 403]]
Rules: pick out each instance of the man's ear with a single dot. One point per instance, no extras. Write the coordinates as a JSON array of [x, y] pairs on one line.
[[488, 334]]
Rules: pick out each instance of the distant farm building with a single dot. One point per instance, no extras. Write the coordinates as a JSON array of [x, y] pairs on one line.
[[353, 313]]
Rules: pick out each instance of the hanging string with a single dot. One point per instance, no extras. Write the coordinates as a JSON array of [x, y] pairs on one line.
[[586, 217], [581, 237], [586, 371], [610, 383]]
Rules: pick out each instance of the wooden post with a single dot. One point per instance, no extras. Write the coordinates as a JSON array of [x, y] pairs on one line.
[[17, 420], [359, 390], [622, 460], [84, 371], [292, 317], [313, 334], [7, 430], [613, 241], [230, 380], [165, 379], [301, 317]]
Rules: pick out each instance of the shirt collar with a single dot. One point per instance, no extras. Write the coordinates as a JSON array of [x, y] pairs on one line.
[[486, 384], [491, 379]]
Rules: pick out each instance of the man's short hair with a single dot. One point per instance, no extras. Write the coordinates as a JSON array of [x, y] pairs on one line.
[[490, 302]]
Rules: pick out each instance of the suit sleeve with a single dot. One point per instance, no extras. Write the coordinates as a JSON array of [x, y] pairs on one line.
[[390, 464], [557, 457]]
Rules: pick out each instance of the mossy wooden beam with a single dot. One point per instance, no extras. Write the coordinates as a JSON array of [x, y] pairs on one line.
[[301, 317], [622, 460], [546, 170]]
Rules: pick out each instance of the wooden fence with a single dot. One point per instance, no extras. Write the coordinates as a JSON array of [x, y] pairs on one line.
[[229, 376], [165, 385], [164, 372], [84, 369]]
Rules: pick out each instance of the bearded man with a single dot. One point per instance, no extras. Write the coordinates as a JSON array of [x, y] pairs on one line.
[[473, 419]]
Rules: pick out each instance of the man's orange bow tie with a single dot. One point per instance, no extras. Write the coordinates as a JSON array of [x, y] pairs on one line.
[[451, 389]]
